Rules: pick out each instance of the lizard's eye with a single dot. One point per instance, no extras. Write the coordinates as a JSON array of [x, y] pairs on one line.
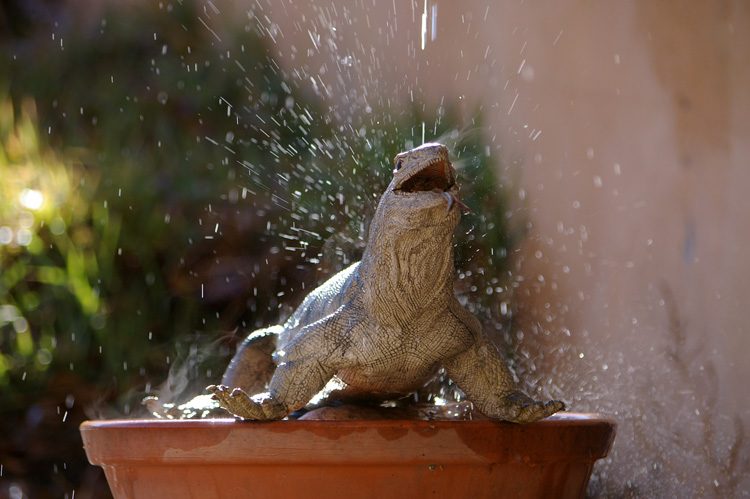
[[398, 165]]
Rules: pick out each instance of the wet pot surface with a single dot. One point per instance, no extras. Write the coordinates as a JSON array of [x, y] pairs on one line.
[[228, 458]]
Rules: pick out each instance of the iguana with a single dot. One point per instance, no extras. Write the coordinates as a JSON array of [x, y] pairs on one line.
[[383, 327]]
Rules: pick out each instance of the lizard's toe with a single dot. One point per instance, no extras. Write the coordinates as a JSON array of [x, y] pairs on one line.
[[220, 392], [539, 410], [517, 407]]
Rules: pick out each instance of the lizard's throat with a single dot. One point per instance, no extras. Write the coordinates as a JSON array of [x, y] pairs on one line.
[[403, 273]]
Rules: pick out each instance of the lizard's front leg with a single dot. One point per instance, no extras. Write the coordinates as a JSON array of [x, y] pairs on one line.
[[291, 388], [307, 364], [482, 374]]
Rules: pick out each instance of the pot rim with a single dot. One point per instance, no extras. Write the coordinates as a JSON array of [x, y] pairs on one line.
[[569, 437]]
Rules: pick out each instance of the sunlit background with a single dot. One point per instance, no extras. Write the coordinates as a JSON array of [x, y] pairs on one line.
[[176, 173]]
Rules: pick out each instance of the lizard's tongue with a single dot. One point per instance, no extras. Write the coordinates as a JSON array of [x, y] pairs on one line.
[[454, 199]]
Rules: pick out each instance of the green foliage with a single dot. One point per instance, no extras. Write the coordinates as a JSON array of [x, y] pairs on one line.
[[116, 262], [50, 255]]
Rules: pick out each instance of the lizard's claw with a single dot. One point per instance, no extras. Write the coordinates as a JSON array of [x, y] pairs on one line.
[[520, 408], [539, 410], [236, 401], [241, 405]]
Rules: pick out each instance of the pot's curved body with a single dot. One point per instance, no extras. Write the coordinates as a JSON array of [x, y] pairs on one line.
[[227, 458]]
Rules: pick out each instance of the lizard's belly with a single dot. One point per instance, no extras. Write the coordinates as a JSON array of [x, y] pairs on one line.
[[366, 382], [387, 364]]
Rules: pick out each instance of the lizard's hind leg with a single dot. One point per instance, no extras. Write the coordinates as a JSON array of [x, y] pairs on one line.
[[252, 366]]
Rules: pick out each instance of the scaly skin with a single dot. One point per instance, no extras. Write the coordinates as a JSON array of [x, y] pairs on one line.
[[383, 327]]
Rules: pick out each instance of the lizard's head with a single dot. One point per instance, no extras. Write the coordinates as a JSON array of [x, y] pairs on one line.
[[424, 177], [409, 254]]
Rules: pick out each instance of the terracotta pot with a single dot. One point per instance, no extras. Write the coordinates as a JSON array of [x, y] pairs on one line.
[[227, 458]]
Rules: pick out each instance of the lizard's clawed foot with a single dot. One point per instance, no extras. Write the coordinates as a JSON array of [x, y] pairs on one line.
[[236, 401], [524, 409], [241, 405]]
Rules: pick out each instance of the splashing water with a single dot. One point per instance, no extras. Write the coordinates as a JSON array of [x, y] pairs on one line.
[[318, 100]]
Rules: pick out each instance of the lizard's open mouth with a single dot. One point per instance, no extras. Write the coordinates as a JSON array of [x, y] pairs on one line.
[[433, 177]]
